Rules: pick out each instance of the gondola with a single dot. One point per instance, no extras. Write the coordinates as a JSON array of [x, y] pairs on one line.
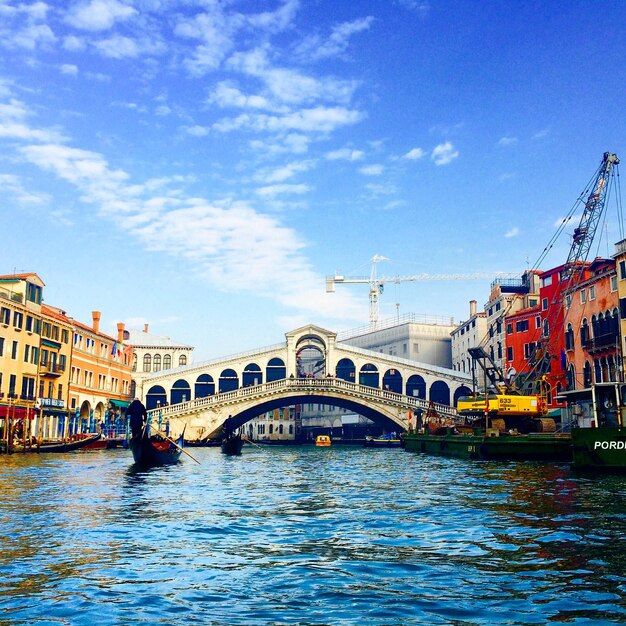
[[151, 451], [232, 444], [57, 446]]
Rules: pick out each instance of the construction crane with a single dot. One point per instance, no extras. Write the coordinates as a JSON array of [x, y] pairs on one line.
[[525, 406], [376, 284], [575, 265]]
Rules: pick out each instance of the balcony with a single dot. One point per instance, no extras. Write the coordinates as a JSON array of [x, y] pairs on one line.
[[51, 369], [604, 342]]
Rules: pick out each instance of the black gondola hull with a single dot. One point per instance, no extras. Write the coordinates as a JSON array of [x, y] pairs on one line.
[[148, 452], [232, 445]]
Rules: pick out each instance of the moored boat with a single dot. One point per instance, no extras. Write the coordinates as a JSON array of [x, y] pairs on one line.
[[599, 449], [493, 445], [599, 431], [322, 441], [58, 446], [150, 451]]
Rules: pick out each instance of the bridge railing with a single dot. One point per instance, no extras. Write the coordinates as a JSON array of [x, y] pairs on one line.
[[319, 384]]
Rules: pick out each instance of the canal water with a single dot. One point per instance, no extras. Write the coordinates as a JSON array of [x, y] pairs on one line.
[[311, 536]]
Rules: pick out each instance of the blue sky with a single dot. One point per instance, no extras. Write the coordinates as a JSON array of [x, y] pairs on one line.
[[202, 166]]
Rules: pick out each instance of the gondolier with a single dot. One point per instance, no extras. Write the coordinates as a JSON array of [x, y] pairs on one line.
[[138, 415]]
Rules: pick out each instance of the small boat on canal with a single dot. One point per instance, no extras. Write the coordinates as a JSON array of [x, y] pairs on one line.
[[385, 441], [232, 444], [322, 441], [154, 450]]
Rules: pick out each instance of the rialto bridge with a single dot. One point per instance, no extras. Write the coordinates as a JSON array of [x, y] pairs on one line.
[[309, 367]]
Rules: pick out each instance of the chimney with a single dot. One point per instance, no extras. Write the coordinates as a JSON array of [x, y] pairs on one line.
[[472, 308], [145, 328], [120, 332], [96, 320]]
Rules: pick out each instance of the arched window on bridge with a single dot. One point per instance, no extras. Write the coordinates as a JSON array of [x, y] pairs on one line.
[[345, 370], [167, 361], [156, 363], [181, 392], [440, 393], [182, 360], [156, 396], [147, 362], [252, 375], [205, 386], [276, 370], [369, 376], [392, 381], [460, 392], [229, 381], [416, 387], [310, 357]]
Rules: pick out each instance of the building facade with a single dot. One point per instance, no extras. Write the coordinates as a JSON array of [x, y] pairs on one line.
[[592, 329], [466, 335], [425, 339], [100, 377], [152, 354]]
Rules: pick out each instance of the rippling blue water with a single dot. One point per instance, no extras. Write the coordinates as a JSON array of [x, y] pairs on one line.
[[308, 536]]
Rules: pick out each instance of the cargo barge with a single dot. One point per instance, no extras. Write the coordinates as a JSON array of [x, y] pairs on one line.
[[492, 445]]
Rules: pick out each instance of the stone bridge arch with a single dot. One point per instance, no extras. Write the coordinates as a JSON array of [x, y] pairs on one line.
[[204, 416]]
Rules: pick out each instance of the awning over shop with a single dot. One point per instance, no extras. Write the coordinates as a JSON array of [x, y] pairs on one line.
[[119, 404], [13, 412]]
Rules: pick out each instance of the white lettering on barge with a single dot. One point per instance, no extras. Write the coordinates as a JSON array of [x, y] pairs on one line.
[[610, 445]]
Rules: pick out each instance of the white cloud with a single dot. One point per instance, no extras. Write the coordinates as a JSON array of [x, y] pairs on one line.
[[285, 172], [513, 232], [118, 47], [73, 43], [314, 47], [98, 15], [507, 141], [318, 119], [345, 154], [69, 69], [292, 143], [289, 86], [376, 169], [414, 154], [197, 131], [12, 117], [444, 153], [273, 190], [226, 94]]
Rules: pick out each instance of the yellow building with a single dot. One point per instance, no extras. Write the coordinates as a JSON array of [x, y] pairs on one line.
[[57, 376], [35, 352]]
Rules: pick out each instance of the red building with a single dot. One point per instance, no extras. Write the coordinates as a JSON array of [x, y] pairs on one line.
[[540, 331]]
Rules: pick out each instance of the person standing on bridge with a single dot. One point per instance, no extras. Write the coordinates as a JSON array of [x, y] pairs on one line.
[[138, 417]]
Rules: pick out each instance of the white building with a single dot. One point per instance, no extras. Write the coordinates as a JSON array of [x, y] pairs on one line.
[[417, 337], [467, 335], [154, 353]]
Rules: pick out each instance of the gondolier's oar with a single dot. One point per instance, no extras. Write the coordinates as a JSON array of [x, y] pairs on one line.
[[252, 442], [172, 441]]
